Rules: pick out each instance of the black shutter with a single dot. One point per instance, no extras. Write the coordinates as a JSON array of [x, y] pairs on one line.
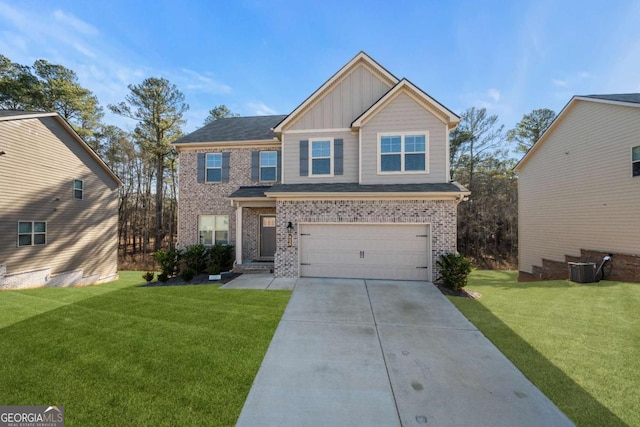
[[255, 166], [279, 163], [201, 167], [338, 159], [225, 167], [304, 157]]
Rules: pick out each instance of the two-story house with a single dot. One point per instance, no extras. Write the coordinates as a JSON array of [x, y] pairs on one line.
[[58, 205], [352, 183]]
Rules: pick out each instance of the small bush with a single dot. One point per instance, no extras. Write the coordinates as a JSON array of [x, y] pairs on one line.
[[187, 275], [221, 256], [168, 260], [454, 270], [148, 276], [163, 277], [195, 258]]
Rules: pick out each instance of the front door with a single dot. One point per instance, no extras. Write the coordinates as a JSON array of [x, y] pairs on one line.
[[267, 236]]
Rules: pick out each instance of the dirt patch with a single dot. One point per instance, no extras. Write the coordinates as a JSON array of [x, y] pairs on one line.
[[201, 279], [463, 293]]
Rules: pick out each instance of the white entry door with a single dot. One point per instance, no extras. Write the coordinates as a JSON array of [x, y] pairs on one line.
[[366, 251]]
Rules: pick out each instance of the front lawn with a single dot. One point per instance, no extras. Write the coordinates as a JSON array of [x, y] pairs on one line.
[[579, 343], [119, 354]]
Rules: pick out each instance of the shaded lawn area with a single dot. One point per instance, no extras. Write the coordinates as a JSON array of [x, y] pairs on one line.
[[119, 354], [578, 343]]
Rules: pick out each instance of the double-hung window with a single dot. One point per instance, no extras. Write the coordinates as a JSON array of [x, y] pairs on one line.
[[214, 167], [403, 152], [213, 229], [32, 233], [78, 189], [635, 161], [268, 166], [321, 159]]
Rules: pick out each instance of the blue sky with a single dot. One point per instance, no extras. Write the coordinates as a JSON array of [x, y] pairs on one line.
[[266, 57]]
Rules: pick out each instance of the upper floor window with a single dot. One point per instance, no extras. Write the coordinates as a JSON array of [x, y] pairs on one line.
[[31, 233], [321, 160], [403, 152], [268, 165], [635, 160], [213, 229], [214, 167], [78, 189]]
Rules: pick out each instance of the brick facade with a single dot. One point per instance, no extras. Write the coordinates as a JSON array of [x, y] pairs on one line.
[[251, 231], [441, 214], [211, 198]]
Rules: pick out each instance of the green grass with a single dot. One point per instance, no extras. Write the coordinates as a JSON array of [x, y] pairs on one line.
[[119, 354], [579, 343]]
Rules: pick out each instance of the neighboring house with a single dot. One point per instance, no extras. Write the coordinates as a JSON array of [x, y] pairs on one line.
[[353, 183], [58, 205], [579, 190]]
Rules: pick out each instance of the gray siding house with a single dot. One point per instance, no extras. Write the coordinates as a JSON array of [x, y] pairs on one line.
[[352, 183], [58, 205], [579, 190]]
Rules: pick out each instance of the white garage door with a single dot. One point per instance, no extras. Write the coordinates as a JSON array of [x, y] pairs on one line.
[[380, 251]]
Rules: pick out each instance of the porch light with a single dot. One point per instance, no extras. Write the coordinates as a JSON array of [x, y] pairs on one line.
[[290, 227]]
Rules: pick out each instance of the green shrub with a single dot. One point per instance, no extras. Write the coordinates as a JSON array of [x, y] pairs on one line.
[[163, 277], [148, 276], [187, 275], [454, 270], [221, 256], [195, 258], [168, 260]]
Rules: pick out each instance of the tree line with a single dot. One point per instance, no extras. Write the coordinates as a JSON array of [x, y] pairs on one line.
[[145, 161]]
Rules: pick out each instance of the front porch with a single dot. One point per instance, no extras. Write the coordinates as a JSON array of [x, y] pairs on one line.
[[255, 230]]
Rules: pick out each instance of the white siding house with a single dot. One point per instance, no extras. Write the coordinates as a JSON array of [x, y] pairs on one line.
[[579, 190]]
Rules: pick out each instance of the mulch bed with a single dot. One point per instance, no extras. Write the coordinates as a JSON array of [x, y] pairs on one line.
[[463, 293], [201, 279]]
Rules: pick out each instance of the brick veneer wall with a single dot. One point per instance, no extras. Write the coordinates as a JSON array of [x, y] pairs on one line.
[[251, 231], [441, 214], [210, 198], [622, 267]]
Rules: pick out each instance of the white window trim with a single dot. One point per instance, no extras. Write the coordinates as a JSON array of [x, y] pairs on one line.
[[311, 158], [74, 189], [33, 233], [634, 161], [260, 166], [213, 235], [206, 168], [402, 152]]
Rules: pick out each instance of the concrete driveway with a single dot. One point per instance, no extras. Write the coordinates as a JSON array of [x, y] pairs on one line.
[[386, 353]]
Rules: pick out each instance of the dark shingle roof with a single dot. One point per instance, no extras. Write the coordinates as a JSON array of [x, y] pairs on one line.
[[445, 187], [620, 97], [234, 129], [249, 192], [13, 113]]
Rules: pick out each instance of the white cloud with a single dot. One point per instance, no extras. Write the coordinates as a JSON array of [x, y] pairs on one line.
[[77, 24], [559, 83], [198, 82], [494, 94], [261, 109]]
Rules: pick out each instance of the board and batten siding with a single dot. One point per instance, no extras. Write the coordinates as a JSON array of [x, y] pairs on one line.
[[42, 159], [344, 102], [576, 191], [403, 114], [291, 158]]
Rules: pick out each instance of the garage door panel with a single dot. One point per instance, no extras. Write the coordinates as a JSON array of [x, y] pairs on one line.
[[381, 251]]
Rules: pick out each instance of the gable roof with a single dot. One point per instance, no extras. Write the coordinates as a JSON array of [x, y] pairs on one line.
[[421, 97], [9, 115], [253, 128], [360, 58], [622, 99], [633, 98]]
